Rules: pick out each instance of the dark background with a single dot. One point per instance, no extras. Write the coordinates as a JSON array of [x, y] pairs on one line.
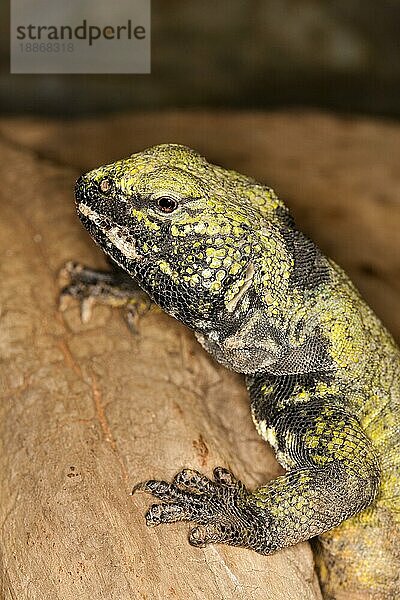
[[341, 55]]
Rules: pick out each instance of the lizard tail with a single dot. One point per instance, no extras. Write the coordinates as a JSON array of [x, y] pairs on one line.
[[360, 559]]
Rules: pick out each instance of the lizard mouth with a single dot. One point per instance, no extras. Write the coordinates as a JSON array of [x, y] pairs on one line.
[[117, 236]]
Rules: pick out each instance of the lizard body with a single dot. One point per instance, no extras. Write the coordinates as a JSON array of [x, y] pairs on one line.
[[221, 253]]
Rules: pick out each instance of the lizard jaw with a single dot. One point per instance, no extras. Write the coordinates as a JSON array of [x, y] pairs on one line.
[[118, 235]]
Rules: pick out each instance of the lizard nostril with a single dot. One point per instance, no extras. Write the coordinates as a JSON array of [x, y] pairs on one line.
[[105, 185]]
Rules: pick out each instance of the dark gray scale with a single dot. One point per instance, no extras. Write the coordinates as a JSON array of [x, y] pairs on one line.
[[311, 357], [311, 268]]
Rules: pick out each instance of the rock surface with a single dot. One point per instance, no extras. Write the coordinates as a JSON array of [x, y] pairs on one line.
[[87, 410]]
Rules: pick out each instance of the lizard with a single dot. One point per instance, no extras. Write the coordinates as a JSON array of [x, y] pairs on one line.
[[221, 253]]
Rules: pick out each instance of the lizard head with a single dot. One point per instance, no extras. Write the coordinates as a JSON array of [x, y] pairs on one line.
[[189, 232]]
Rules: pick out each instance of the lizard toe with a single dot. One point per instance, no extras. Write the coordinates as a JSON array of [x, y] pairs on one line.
[[164, 513], [225, 477], [218, 532], [192, 480]]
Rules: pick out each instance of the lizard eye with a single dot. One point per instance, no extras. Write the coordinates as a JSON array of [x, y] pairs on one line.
[[167, 204], [105, 185]]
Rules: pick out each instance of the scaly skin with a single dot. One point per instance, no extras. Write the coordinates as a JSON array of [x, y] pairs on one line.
[[221, 253]]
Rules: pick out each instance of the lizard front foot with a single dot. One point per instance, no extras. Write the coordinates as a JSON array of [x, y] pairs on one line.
[[222, 509], [113, 288]]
